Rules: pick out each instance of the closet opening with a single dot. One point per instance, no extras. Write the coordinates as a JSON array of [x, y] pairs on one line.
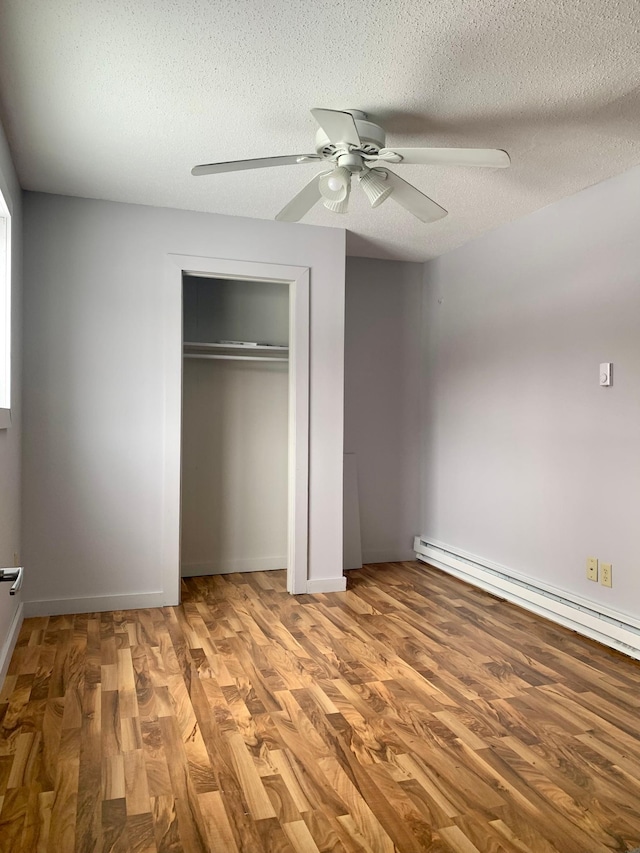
[[235, 401], [236, 420]]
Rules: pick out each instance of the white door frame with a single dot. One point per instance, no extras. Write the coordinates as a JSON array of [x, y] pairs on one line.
[[298, 477]]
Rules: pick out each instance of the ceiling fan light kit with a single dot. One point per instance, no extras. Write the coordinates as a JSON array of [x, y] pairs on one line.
[[352, 145]]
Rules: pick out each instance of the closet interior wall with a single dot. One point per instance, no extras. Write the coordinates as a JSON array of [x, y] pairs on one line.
[[235, 429]]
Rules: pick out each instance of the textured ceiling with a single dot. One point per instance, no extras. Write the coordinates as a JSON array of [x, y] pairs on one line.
[[118, 100]]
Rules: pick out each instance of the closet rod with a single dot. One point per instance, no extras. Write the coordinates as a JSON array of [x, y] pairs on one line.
[[235, 357]]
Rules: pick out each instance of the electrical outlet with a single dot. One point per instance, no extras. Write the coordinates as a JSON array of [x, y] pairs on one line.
[[606, 578], [16, 558], [592, 569]]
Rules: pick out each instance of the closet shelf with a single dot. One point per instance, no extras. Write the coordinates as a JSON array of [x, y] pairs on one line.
[[235, 351]]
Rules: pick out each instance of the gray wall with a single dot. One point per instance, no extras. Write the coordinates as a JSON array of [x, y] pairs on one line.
[[382, 401], [234, 466], [219, 309], [10, 439], [526, 460], [94, 391]]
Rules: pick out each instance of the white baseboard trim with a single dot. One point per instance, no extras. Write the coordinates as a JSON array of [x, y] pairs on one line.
[[397, 556], [327, 585], [10, 641], [609, 627], [228, 567], [96, 604]]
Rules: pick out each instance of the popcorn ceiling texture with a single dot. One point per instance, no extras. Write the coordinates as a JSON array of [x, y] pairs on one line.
[[116, 100]]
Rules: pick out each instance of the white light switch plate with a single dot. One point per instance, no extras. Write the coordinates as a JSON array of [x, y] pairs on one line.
[[605, 373]]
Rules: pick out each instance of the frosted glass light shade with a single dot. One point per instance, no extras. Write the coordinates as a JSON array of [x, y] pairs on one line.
[[335, 186], [338, 206], [376, 187]]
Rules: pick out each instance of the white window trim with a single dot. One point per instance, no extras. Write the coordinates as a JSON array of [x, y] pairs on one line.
[[5, 316]]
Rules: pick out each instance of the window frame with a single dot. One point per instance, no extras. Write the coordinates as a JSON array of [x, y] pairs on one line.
[[5, 312]]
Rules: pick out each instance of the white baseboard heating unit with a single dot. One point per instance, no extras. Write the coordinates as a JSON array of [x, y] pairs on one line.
[[607, 626]]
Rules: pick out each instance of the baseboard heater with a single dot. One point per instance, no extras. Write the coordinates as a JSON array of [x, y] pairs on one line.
[[607, 626]]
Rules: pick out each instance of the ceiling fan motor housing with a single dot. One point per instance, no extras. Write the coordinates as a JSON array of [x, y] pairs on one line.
[[371, 135]]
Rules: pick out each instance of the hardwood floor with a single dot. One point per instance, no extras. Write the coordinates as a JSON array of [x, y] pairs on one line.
[[410, 713]]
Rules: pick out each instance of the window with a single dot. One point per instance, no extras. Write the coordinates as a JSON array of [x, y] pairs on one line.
[[5, 315]]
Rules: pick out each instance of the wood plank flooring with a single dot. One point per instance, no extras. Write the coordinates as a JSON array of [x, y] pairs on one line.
[[411, 713]]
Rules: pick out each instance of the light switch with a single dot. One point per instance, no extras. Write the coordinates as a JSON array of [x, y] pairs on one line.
[[605, 373]]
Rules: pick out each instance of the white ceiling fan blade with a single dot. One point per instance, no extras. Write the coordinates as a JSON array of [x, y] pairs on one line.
[[259, 163], [492, 157], [302, 202], [339, 126], [413, 200]]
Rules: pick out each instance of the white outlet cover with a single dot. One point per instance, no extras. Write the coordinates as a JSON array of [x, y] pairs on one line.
[[605, 373]]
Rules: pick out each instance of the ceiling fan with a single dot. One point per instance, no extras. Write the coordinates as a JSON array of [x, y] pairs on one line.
[[353, 146]]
